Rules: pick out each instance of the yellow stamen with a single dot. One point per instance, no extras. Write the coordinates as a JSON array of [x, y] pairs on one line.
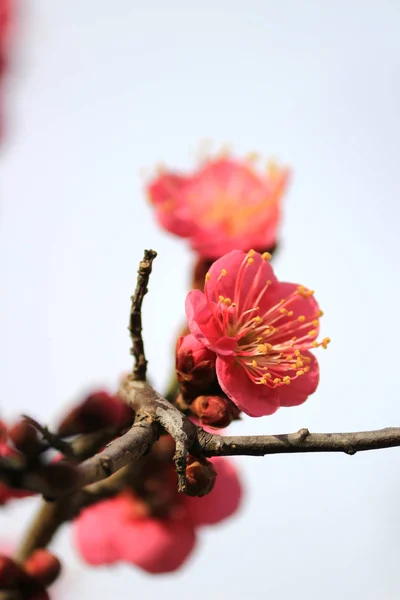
[[299, 373], [208, 276], [325, 342], [266, 255], [301, 318]]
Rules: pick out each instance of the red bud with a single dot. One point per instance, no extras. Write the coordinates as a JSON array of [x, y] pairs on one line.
[[10, 573], [97, 411], [214, 411], [195, 367], [200, 477], [25, 439], [43, 566]]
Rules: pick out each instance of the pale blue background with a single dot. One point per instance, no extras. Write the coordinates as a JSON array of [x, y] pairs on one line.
[[102, 89]]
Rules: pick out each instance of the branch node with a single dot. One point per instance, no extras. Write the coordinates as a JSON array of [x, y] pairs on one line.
[[303, 434]]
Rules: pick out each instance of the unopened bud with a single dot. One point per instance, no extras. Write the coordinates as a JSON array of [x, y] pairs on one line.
[[97, 411], [195, 367], [24, 437], [43, 566], [10, 573], [200, 271], [214, 411], [200, 477]]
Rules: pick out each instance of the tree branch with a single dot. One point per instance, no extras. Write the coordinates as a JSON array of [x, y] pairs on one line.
[[302, 441], [135, 321]]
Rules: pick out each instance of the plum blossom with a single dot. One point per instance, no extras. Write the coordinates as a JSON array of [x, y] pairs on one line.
[[225, 205], [123, 528], [261, 331]]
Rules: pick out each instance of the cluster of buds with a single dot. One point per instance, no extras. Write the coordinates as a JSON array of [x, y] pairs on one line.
[[30, 579], [200, 393], [24, 451]]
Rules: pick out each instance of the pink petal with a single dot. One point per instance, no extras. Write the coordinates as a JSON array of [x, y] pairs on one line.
[[204, 326], [170, 212], [256, 400], [95, 530], [253, 277], [223, 501], [280, 290], [300, 388], [157, 546]]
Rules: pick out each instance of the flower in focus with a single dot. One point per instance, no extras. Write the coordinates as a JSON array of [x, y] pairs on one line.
[[124, 529], [261, 330], [225, 205]]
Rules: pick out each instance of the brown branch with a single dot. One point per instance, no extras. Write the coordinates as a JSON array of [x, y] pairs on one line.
[[135, 321], [302, 441]]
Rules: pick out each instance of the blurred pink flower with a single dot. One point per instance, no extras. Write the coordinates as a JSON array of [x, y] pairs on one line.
[[261, 331], [121, 529], [5, 11], [225, 205]]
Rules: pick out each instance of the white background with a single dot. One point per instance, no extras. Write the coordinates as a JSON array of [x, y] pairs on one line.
[[100, 90]]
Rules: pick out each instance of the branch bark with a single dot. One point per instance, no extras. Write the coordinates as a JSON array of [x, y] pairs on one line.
[[135, 320]]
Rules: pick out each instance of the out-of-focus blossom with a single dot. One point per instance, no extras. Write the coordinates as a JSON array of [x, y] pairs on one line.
[[123, 528], [97, 411], [5, 12], [225, 205], [7, 493], [261, 330]]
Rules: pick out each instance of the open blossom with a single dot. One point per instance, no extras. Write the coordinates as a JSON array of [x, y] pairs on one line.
[[123, 529], [261, 331], [225, 205]]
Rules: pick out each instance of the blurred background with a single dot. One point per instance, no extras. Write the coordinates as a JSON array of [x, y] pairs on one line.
[[100, 92]]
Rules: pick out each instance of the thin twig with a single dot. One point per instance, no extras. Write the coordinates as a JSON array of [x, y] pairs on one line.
[[53, 440], [135, 321], [302, 441]]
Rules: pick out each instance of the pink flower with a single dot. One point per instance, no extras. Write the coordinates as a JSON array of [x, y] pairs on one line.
[[261, 331], [225, 205], [121, 529]]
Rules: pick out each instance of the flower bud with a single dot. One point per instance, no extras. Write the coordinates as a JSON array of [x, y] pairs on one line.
[[43, 566], [195, 367], [10, 573], [24, 437], [200, 477], [200, 270], [97, 411], [214, 411]]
